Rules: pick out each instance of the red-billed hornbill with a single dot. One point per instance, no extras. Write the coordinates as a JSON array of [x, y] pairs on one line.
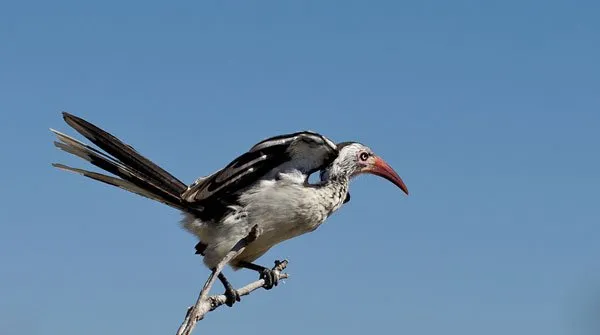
[[267, 186]]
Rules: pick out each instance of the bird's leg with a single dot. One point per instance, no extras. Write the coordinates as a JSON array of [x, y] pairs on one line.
[[270, 276], [231, 294]]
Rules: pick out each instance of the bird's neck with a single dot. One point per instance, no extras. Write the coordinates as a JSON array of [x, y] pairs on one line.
[[333, 191]]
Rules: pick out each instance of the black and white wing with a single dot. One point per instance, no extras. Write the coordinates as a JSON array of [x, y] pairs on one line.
[[305, 151]]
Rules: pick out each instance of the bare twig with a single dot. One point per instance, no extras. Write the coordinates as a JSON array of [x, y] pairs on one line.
[[218, 300], [205, 304]]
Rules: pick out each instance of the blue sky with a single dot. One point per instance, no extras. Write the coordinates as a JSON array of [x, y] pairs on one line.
[[488, 110]]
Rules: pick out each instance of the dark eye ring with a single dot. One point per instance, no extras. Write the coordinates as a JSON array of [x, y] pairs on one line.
[[364, 156]]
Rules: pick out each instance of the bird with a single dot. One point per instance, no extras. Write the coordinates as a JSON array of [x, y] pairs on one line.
[[266, 188]]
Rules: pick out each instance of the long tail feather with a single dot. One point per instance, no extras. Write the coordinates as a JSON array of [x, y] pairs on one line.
[[136, 173], [120, 183], [124, 153]]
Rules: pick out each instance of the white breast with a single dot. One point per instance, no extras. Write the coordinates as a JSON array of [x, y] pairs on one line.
[[282, 209]]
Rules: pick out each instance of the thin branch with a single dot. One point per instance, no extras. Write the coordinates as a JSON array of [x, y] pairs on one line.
[[218, 300], [205, 304]]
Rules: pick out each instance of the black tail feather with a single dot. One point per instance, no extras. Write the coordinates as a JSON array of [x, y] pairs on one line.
[[137, 173], [126, 154], [123, 184]]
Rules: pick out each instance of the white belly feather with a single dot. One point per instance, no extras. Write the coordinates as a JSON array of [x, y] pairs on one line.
[[282, 209]]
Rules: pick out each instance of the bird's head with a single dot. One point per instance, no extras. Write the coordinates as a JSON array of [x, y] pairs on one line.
[[355, 158]]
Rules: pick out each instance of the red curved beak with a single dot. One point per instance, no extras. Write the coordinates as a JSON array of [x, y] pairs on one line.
[[382, 169]]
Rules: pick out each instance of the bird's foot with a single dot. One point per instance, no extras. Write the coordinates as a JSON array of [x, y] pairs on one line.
[[231, 296], [270, 276]]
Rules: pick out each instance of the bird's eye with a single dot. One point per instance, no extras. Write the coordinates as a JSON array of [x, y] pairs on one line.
[[364, 156]]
